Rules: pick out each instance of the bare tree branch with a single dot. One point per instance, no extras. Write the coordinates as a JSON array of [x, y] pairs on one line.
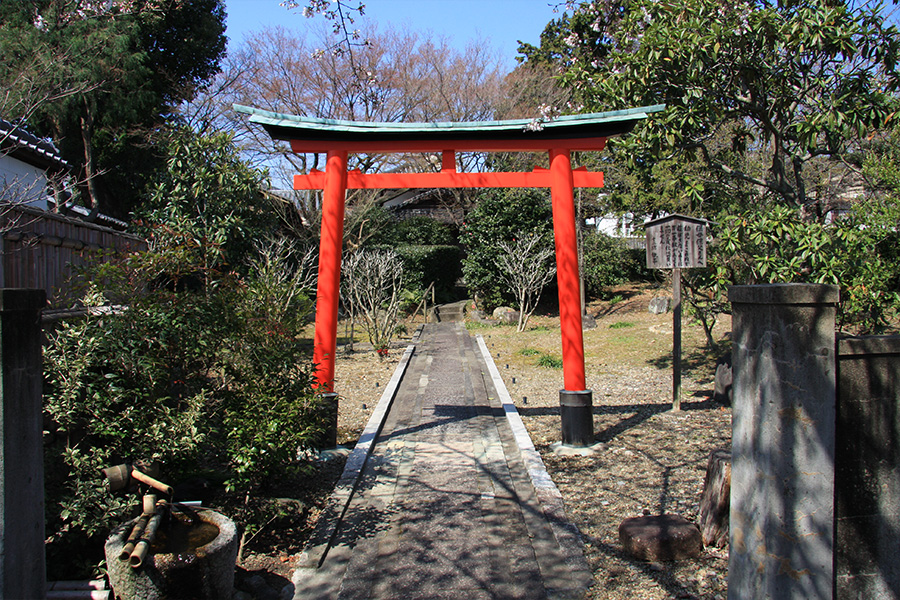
[[371, 286], [525, 265]]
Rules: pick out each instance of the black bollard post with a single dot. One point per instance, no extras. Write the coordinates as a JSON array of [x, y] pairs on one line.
[[330, 400]]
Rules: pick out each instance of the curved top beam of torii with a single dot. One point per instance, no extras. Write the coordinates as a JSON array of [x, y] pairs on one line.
[[573, 132], [559, 137]]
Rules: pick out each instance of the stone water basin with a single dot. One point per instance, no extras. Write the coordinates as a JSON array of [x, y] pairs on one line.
[[192, 557]]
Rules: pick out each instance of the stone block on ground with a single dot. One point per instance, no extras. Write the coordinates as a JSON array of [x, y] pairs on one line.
[[660, 538], [660, 305], [505, 314], [588, 322], [500, 310]]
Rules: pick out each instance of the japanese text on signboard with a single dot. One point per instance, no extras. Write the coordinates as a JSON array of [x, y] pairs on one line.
[[676, 245]]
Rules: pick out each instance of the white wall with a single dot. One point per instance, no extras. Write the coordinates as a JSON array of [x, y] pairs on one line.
[[615, 226], [21, 182]]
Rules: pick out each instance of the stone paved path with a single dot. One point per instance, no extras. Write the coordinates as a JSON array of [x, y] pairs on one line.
[[445, 506]]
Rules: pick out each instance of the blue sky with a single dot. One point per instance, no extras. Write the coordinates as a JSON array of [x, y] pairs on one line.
[[501, 22]]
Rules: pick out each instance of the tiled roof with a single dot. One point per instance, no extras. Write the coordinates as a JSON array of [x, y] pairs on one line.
[[19, 143]]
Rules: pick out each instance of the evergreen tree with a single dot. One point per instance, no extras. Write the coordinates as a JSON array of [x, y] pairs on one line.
[[101, 77]]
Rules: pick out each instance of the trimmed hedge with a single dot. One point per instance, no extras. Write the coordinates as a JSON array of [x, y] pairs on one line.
[[424, 264]]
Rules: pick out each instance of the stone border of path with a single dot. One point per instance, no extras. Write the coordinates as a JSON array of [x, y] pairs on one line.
[[326, 527], [567, 535]]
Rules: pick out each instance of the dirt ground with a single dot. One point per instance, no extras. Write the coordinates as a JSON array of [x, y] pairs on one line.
[[653, 460]]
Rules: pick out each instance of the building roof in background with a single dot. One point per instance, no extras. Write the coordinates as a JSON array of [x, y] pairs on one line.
[[17, 142], [81, 213]]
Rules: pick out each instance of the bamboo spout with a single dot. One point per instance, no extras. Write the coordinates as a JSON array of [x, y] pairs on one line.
[[149, 509], [136, 559], [119, 476], [159, 485]]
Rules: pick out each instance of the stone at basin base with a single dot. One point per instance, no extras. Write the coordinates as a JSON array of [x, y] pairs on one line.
[[660, 538], [207, 573]]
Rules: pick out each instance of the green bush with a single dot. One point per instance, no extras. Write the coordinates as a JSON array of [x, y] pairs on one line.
[[127, 386], [607, 261], [423, 265], [269, 407], [858, 252], [210, 377], [501, 215]]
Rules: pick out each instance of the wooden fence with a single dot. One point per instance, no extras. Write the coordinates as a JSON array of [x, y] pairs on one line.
[[42, 250], [635, 243]]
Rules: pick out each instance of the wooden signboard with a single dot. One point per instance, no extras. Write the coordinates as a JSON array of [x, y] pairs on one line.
[[676, 242]]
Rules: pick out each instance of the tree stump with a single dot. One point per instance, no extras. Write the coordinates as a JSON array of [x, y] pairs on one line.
[[722, 392], [716, 500]]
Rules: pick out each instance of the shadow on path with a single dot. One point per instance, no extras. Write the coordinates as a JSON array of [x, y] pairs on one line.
[[444, 506]]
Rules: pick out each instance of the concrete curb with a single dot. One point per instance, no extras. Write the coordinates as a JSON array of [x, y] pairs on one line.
[[326, 527], [567, 535]]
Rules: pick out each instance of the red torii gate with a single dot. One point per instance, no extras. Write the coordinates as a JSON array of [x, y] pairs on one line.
[[559, 137]]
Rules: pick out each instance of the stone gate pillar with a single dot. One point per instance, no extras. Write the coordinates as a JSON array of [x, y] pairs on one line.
[[867, 468], [782, 478], [23, 568]]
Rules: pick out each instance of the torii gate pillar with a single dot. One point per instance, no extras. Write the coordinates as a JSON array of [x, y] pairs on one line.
[[574, 400], [329, 284]]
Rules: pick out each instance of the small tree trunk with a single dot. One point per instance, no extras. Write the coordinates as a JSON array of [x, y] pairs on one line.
[[352, 330], [523, 319], [716, 499], [87, 126], [708, 322]]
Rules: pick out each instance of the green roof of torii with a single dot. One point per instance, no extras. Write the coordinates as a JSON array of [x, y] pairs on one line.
[[593, 125]]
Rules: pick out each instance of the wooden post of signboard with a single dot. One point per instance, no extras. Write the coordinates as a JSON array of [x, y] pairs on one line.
[[676, 339], [676, 242]]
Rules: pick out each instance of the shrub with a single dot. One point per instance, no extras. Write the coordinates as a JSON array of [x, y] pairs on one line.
[[501, 216], [423, 265], [371, 289], [133, 385], [269, 407], [211, 376], [857, 252], [526, 265], [607, 261]]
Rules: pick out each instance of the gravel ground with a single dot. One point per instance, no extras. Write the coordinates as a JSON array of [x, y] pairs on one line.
[[360, 378], [652, 461]]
